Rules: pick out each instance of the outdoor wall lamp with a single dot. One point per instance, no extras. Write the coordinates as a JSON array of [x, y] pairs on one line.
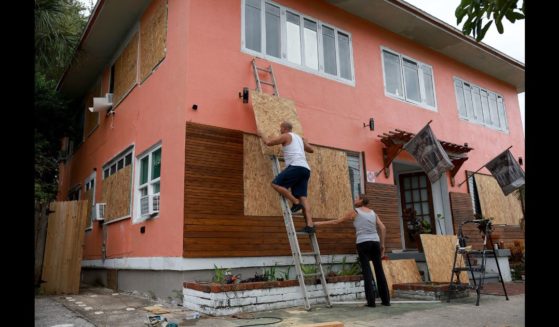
[[520, 160], [244, 95], [371, 124], [194, 107]]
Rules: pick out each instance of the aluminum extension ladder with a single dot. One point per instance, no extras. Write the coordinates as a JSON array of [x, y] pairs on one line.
[[288, 217]]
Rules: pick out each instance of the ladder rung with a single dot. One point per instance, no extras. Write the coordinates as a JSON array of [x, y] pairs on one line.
[[480, 269], [269, 83], [308, 253], [264, 69], [311, 274]]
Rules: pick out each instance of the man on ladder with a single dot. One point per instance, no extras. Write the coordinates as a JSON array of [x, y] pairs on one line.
[[296, 173]]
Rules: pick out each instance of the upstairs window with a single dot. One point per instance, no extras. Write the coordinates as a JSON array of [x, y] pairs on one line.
[[408, 79], [280, 34], [479, 105]]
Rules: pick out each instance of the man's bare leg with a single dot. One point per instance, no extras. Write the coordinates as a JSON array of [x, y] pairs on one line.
[[285, 192], [306, 210]]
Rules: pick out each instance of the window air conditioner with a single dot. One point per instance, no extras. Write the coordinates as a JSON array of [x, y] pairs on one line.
[[99, 211], [149, 205]]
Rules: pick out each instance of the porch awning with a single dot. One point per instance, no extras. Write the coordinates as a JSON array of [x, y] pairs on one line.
[[395, 140]]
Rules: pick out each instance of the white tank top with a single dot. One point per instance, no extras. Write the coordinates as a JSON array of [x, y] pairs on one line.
[[294, 152], [365, 224]]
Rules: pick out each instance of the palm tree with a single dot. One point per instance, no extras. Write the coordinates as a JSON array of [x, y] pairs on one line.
[[58, 28]]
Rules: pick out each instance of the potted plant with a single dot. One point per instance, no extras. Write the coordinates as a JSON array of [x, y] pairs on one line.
[[416, 226]]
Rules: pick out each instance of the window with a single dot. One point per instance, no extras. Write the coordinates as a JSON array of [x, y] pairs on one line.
[[117, 163], [408, 79], [480, 106], [90, 187], [280, 34], [148, 183], [355, 175], [74, 193]]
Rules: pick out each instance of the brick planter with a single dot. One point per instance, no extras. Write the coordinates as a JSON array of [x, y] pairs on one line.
[[427, 291], [222, 299]]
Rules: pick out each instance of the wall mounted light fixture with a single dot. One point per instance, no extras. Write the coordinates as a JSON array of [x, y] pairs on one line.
[[244, 95], [194, 107], [371, 124], [520, 160]]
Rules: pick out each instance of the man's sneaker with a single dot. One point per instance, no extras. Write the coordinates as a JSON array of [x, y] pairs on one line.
[[296, 207], [307, 229]]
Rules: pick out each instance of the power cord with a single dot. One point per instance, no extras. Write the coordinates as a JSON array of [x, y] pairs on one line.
[[268, 323]]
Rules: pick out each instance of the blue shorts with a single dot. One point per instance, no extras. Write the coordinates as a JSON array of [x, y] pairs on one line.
[[294, 177]]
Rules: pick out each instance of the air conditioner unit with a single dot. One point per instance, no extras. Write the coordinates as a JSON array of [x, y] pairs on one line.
[[99, 211], [102, 103], [149, 205]]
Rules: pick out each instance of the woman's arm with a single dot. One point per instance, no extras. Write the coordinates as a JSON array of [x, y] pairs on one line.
[[382, 235], [348, 216]]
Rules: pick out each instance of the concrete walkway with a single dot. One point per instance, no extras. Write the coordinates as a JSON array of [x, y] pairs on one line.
[[104, 307]]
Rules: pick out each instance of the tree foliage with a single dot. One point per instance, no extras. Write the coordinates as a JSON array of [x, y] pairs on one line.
[[478, 11], [58, 27]]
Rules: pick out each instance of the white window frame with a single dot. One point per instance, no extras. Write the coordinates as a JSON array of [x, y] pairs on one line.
[[137, 216], [473, 119], [359, 157], [422, 90], [86, 184], [283, 40], [115, 161]]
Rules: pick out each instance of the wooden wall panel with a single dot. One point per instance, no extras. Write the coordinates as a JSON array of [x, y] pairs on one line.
[[153, 36], [270, 111], [461, 206], [383, 199], [439, 254], [116, 193], [505, 210], [214, 222], [329, 192], [64, 247], [126, 70]]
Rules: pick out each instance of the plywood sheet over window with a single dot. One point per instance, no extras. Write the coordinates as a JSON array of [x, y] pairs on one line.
[[153, 35], [91, 119], [126, 70], [116, 194], [494, 204], [329, 192], [270, 111]]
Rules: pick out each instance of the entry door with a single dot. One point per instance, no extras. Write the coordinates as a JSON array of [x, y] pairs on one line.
[[415, 193]]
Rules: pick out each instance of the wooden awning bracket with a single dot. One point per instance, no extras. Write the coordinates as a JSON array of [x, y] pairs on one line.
[[388, 155], [457, 164]]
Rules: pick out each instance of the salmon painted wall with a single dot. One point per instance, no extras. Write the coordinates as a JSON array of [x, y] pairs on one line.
[[204, 65], [152, 112], [332, 113]]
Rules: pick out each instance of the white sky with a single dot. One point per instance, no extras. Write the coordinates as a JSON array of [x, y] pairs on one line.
[[511, 42]]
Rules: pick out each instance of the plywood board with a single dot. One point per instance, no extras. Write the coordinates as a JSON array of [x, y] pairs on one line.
[[64, 247], [329, 192], [439, 254], [400, 271], [494, 204], [270, 111], [126, 70], [153, 37], [260, 199], [116, 194], [88, 195]]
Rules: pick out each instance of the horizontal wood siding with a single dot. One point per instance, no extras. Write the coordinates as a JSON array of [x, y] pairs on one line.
[[214, 223], [383, 199], [461, 206]]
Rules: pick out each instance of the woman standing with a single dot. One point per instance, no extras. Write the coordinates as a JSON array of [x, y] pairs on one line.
[[370, 234]]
